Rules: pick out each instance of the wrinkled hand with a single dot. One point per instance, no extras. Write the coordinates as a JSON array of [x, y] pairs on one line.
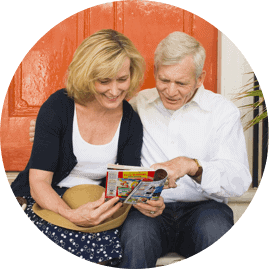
[[93, 213], [32, 130], [151, 206], [177, 168]]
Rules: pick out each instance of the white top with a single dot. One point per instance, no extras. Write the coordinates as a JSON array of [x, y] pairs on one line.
[[207, 128], [92, 159]]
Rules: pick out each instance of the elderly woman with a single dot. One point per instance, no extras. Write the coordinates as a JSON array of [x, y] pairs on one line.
[[79, 130]]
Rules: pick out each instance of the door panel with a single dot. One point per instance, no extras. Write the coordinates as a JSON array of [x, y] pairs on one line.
[[207, 34], [43, 70], [147, 26], [99, 17]]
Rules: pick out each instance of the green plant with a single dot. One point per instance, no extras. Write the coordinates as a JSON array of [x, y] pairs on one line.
[[252, 88]]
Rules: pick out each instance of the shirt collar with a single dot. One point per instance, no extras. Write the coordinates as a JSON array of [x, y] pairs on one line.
[[154, 96], [198, 99]]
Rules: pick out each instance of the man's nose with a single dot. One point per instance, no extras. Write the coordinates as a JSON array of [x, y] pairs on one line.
[[171, 89]]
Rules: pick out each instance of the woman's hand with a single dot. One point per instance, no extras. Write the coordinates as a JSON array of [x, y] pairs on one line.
[[93, 213], [87, 215], [151, 208]]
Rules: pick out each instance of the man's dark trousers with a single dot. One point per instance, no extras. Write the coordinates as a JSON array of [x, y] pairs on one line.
[[185, 228]]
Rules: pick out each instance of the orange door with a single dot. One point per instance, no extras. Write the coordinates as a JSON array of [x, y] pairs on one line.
[[43, 69]]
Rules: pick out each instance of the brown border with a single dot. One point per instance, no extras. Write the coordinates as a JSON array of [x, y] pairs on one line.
[[24, 22]]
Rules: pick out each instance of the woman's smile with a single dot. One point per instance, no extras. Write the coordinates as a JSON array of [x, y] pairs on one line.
[[112, 98]]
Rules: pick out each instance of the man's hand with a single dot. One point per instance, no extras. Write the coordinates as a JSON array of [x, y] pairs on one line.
[[151, 208], [32, 130], [177, 168]]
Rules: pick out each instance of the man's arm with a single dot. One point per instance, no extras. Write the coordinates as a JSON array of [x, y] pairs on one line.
[[32, 130], [226, 173]]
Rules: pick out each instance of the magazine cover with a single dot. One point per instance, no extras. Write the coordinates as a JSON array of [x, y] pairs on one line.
[[134, 184]]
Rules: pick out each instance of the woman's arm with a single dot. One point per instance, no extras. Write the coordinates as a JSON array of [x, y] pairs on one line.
[[89, 214], [43, 193]]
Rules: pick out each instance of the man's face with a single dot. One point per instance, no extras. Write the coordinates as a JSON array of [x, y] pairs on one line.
[[177, 84]]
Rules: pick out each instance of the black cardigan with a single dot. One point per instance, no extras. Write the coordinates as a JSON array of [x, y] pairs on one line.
[[53, 149]]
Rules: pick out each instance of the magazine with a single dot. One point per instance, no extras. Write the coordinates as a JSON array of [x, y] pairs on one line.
[[133, 184]]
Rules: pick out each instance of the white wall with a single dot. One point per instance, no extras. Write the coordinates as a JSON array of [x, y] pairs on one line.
[[232, 73]]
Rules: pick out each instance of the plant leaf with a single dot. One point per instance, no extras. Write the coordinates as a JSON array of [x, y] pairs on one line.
[[253, 91]]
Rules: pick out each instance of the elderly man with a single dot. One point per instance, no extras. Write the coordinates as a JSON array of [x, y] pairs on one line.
[[197, 136]]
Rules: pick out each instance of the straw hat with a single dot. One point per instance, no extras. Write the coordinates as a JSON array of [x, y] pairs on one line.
[[77, 196]]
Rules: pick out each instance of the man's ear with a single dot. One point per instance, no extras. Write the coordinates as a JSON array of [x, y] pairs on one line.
[[155, 71], [201, 79]]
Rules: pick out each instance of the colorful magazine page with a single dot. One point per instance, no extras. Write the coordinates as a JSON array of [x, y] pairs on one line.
[[121, 180], [128, 167], [150, 190]]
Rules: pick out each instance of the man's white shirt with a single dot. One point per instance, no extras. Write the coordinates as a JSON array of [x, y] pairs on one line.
[[208, 128]]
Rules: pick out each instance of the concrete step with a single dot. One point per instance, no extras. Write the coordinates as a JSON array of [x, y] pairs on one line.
[[169, 258], [240, 204]]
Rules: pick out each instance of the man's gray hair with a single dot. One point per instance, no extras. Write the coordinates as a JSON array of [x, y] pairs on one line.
[[177, 46]]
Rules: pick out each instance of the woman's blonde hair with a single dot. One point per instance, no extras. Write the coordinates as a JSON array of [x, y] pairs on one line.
[[101, 56]]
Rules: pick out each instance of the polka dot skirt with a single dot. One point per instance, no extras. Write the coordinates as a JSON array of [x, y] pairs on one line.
[[94, 247]]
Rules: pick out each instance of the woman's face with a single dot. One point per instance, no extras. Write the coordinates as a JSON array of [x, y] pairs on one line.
[[112, 91]]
